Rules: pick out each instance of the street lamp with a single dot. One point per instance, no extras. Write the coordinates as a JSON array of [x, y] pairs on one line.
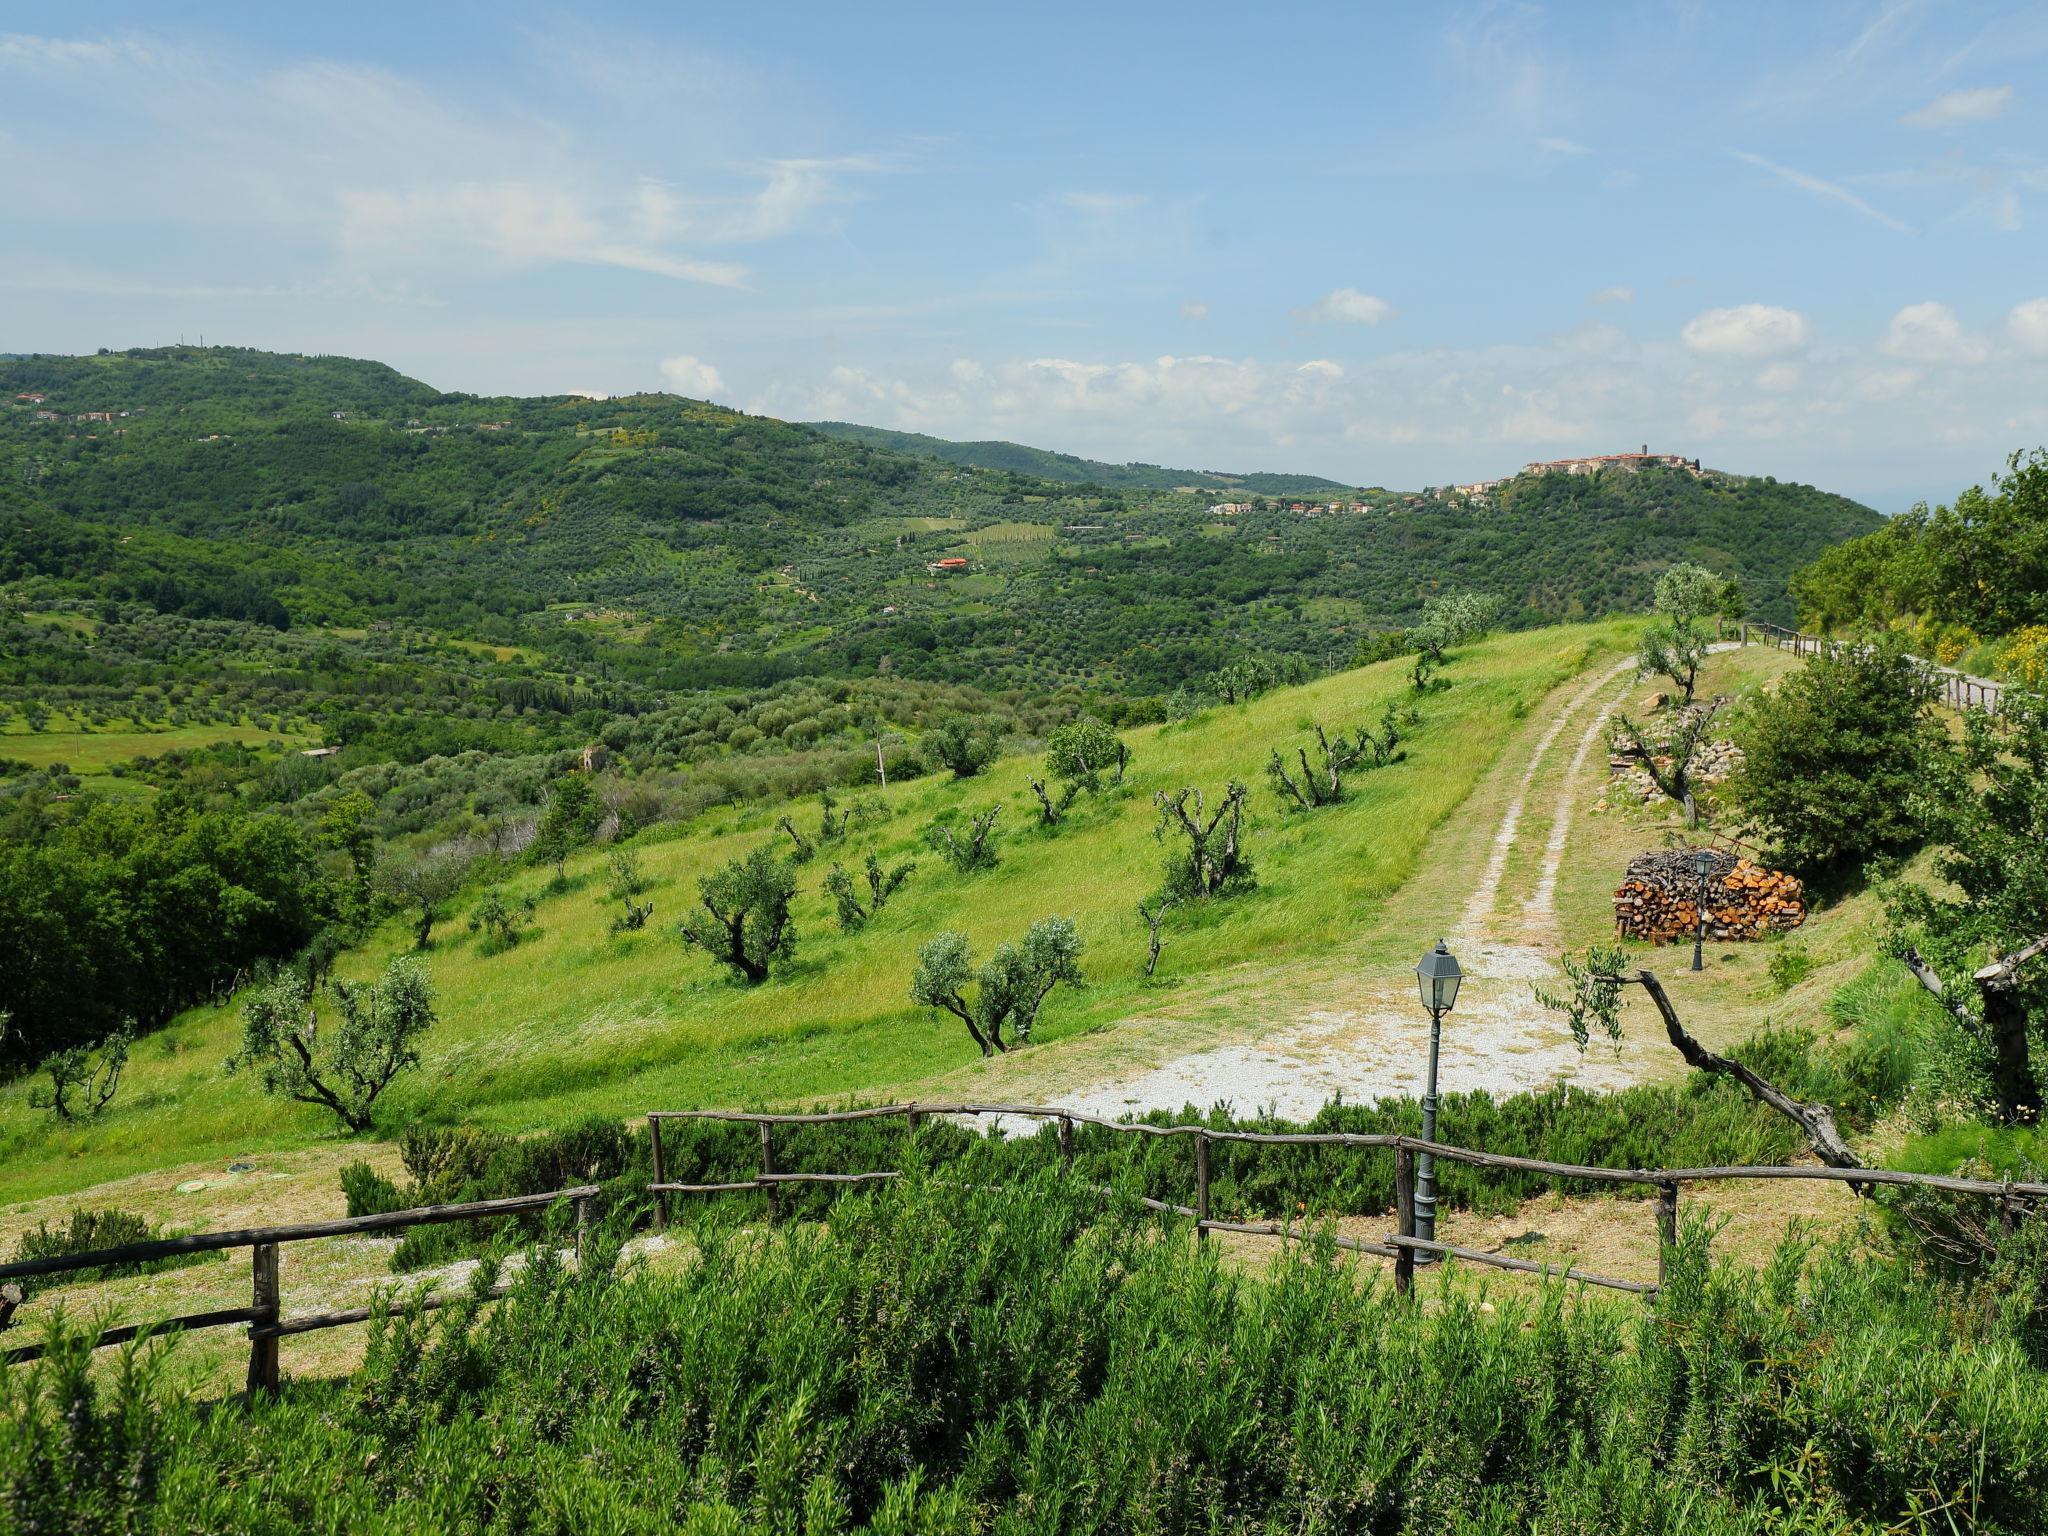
[[1703, 866], [1438, 976]]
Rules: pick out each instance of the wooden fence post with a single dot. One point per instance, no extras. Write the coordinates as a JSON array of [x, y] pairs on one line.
[[915, 1119], [263, 1303], [1404, 1217], [661, 1199], [1667, 1226], [1201, 1185], [768, 1167], [1066, 1136]]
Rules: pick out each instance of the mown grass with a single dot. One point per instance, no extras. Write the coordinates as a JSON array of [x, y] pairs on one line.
[[576, 1020], [89, 752], [939, 1360]]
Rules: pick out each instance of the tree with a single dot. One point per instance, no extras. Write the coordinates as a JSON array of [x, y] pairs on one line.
[[500, 921], [625, 883], [1214, 862], [804, 850], [1592, 999], [83, 1080], [1009, 988], [1670, 766], [1324, 785], [425, 883], [1051, 814], [746, 922], [963, 746], [1154, 914], [1675, 644], [1984, 803], [881, 886], [346, 1066], [349, 824], [1081, 752], [975, 849], [570, 819], [1448, 621], [1835, 758]]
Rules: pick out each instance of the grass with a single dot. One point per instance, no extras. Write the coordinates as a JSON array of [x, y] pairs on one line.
[[576, 1020], [90, 752]]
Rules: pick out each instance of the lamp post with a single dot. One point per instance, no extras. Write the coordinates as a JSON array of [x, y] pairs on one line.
[[1703, 866], [1438, 976]]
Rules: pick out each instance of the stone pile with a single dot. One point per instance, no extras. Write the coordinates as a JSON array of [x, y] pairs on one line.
[[1658, 899]]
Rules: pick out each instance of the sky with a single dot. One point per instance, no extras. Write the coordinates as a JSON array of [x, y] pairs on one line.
[[1392, 245]]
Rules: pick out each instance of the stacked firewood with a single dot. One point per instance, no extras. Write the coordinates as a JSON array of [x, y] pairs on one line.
[[1659, 898]]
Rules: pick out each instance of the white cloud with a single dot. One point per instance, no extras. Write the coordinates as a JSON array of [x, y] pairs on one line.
[[1827, 191], [1778, 378], [394, 179], [1979, 104], [1322, 368], [692, 376], [1618, 294], [1931, 333], [1194, 309], [2028, 324], [1347, 306], [1747, 331], [1563, 146]]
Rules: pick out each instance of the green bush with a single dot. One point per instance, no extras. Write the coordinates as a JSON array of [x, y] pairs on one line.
[[937, 1360], [368, 1192], [87, 1232]]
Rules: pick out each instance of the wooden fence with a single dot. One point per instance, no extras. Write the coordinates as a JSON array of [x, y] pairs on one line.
[[1401, 1245], [263, 1314], [1959, 690]]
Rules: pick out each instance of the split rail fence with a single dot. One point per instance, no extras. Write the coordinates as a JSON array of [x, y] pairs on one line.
[[264, 1313], [1402, 1245], [1959, 690]]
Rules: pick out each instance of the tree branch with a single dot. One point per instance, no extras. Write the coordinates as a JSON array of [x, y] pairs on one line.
[[1816, 1120]]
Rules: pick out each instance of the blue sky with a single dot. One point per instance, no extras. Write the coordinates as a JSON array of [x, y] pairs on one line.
[[1399, 246]]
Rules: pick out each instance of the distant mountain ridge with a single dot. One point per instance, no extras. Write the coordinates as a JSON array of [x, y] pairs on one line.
[[1069, 469]]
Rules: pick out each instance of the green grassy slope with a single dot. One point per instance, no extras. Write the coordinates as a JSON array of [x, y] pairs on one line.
[[576, 1020], [1071, 470]]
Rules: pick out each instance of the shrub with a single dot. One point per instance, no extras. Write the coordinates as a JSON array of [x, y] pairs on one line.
[[368, 1192], [1835, 758], [88, 1231]]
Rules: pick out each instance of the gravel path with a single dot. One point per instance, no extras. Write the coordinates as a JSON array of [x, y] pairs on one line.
[[1374, 1044]]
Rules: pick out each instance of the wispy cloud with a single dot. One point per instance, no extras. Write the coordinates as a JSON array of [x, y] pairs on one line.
[[1562, 146], [1346, 306], [1828, 191], [1979, 104]]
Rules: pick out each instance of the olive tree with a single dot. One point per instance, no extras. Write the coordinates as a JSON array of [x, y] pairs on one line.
[[1081, 753], [882, 884], [425, 883], [963, 746], [83, 1080], [1675, 643], [746, 922], [1324, 784], [348, 1064], [1010, 986], [1213, 862], [1447, 621]]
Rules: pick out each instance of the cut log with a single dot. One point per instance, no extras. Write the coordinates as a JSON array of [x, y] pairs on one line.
[[1659, 898]]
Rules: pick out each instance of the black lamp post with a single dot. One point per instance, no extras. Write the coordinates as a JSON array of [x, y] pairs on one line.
[[1703, 866], [1438, 976]]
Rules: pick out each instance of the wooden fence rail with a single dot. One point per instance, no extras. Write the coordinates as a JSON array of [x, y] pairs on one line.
[[1402, 1246], [263, 1314], [1959, 690]]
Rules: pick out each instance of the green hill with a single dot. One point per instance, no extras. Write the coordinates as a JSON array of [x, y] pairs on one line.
[[1065, 467], [680, 544]]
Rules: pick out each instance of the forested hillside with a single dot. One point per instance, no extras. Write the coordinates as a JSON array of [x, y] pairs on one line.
[[1066, 467], [682, 545]]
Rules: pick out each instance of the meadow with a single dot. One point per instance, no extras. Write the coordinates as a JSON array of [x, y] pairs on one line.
[[577, 1020]]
